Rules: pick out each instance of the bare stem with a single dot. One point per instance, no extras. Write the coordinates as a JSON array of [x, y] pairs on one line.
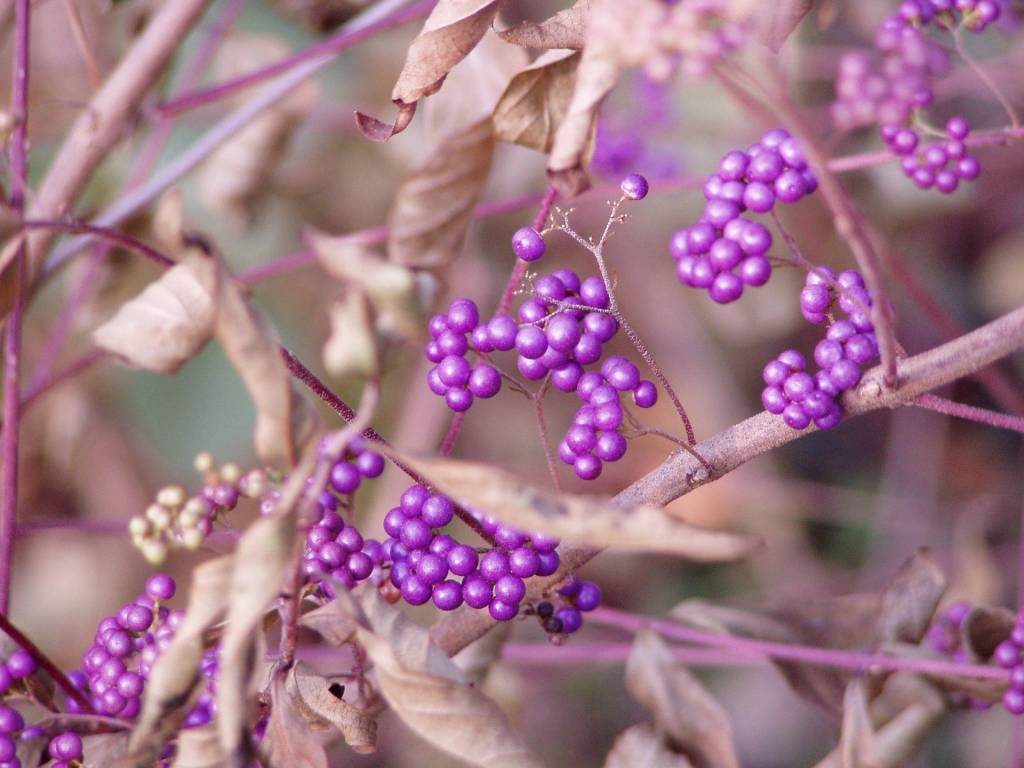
[[542, 428], [103, 233], [985, 78], [970, 412]]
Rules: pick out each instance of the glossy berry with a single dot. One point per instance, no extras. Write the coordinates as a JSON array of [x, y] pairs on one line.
[[635, 187], [527, 244]]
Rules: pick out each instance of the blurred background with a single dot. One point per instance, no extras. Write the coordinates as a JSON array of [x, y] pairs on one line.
[[839, 511]]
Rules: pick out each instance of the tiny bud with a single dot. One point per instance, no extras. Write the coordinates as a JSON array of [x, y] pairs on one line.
[[171, 496], [192, 539], [138, 526], [203, 462], [230, 473], [154, 551], [254, 484], [158, 516]]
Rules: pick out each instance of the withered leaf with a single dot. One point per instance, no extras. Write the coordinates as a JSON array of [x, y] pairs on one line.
[[289, 740], [587, 520], [262, 561], [173, 681], [536, 101], [170, 321], [775, 22], [104, 749], [681, 706], [641, 746], [313, 697], [198, 748], [566, 29], [984, 628], [332, 621], [910, 600], [428, 692], [285, 420], [857, 747], [350, 352], [451, 31], [433, 208]]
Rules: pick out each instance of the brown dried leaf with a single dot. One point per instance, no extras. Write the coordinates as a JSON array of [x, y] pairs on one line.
[[173, 681], [289, 740], [263, 560], [775, 22], [586, 520], [857, 748], [198, 748], [323, 709], [451, 31], [104, 749], [285, 420], [535, 103], [428, 692], [984, 628], [170, 321], [350, 352], [566, 29], [390, 287], [641, 746], [910, 600], [681, 706], [333, 621]]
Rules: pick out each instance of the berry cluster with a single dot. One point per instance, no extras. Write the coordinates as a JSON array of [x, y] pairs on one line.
[[452, 377], [594, 436], [338, 550], [575, 598], [790, 390], [725, 251], [891, 94], [177, 519], [941, 165], [1009, 654], [17, 666], [423, 558]]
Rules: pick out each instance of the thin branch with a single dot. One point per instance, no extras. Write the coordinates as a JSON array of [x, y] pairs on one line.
[[552, 655], [78, 32], [542, 429], [681, 473], [970, 412], [103, 233], [985, 78]]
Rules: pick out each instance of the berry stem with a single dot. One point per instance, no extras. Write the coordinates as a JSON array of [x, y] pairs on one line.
[[550, 655], [985, 78], [103, 233], [538, 409], [46, 663], [970, 413], [452, 434], [12, 338]]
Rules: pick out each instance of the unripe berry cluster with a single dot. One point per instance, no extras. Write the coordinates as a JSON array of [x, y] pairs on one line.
[[725, 251], [790, 390], [453, 377], [1009, 654], [175, 519], [594, 436], [941, 165]]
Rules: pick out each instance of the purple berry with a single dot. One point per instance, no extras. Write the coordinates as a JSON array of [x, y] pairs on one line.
[[160, 587], [463, 316], [447, 595], [501, 331], [527, 244], [587, 467], [646, 394], [635, 187]]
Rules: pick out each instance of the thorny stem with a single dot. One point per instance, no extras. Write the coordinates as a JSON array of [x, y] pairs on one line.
[[46, 663], [985, 77], [542, 428], [970, 413], [12, 340]]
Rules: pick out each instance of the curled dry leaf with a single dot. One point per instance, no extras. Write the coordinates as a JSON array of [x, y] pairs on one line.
[[477, 658], [351, 350], [775, 22], [429, 693], [289, 740], [434, 206], [390, 287], [682, 707], [451, 31], [285, 420], [170, 321], [587, 520], [315, 698], [857, 747], [262, 561], [198, 748], [641, 746], [333, 621], [910, 600], [566, 29], [535, 103], [174, 679]]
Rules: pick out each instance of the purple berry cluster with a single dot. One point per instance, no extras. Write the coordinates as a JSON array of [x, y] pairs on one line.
[[725, 251], [336, 550], [574, 598], [17, 666], [429, 565], [790, 389], [453, 377], [594, 436], [1009, 654], [941, 165]]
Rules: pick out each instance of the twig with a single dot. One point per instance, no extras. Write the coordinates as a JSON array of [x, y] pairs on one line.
[[103, 233], [970, 412], [550, 655], [78, 32], [985, 78], [542, 429]]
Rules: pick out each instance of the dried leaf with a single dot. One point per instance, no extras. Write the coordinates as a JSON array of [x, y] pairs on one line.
[[170, 321], [477, 658], [586, 520], [285, 420], [775, 22], [351, 351], [428, 692], [104, 749], [198, 748], [857, 747], [390, 287], [566, 29], [323, 709], [535, 103], [332, 621], [910, 600], [681, 706], [434, 206], [263, 559], [289, 740], [173, 681], [984, 628], [641, 746], [451, 31]]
